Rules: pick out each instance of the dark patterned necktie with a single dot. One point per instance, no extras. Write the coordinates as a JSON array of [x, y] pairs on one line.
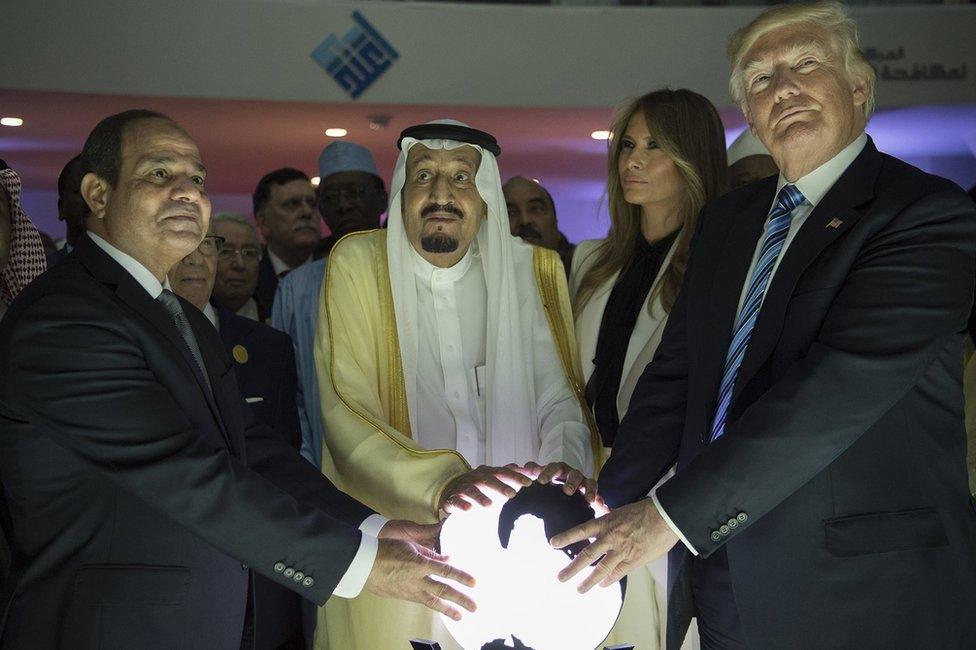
[[172, 305]]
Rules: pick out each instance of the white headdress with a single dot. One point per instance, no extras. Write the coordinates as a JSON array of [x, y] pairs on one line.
[[510, 408]]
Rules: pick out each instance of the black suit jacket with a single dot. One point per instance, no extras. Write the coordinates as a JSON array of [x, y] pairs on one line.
[[265, 366], [139, 500], [264, 293], [840, 480]]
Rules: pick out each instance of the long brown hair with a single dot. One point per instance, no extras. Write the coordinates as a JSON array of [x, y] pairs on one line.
[[687, 128]]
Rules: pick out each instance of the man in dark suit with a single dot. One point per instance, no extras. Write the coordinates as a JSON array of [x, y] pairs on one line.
[[141, 490], [286, 209], [808, 385], [264, 361]]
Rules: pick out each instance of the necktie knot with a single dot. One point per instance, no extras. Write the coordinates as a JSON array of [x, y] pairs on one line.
[[789, 197]]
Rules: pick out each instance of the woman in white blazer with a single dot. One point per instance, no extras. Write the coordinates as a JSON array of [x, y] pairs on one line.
[[666, 160]]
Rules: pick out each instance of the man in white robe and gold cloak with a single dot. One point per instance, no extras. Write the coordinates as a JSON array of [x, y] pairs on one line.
[[434, 360]]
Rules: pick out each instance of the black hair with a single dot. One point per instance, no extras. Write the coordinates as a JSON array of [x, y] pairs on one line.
[[102, 153], [278, 177], [63, 176]]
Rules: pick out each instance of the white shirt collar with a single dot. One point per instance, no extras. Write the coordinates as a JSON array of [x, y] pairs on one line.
[[427, 271], [817, 183], [135, 268], [211, 315], [249, 310], [279, 266]]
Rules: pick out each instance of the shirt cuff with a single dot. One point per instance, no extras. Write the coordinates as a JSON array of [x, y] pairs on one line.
[[667, 520], [354, 579]]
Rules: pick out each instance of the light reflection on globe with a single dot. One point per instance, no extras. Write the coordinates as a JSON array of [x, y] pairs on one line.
[[520, 600]]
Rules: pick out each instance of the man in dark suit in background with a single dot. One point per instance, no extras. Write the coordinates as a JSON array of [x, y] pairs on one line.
[[808, 384], [286, 209], [140, 488], [264, 361]]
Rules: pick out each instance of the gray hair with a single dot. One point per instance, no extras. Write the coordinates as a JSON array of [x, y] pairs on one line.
[[828, 15], [238, 218]]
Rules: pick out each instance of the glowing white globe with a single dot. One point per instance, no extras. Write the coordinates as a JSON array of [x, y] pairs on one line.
[[519, 598]]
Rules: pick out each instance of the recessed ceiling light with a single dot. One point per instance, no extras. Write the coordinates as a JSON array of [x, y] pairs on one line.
[[600, 135], [336, 132], [11, 121], [316, 180]]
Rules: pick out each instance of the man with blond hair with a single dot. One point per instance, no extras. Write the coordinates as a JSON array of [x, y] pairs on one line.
[[809, 383]]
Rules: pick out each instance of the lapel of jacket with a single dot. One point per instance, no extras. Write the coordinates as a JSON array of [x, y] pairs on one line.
[[590, 321], [217, 364], [854, 187], [108, 271]]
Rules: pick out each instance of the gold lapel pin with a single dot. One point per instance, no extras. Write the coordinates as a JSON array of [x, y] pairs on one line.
[[835, 223], [240, 354]]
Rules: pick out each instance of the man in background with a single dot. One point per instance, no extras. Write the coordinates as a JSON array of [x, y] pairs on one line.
[[749, 160], [237, 265], [265, 366], [351, 198], [286, 211], [532, 216]]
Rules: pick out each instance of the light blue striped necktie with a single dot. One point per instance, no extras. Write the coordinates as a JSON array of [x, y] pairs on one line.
[[776, 230]]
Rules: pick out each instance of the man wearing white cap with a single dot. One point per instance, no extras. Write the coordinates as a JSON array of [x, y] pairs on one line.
[[351, 197], [443, 343], [749, 160]]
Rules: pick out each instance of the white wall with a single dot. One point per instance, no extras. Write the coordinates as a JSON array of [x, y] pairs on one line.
[[449, 54]]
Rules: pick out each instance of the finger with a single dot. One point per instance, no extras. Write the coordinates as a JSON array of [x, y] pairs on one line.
[[444, 591], [551, 471], [588, 488], [473, 494], [456, 503], [577, 534], [431, 554], [449, 572], [531, 469], [497, 485], [430, 600], [589, 555], [511, 477], [617, 574], [603, 569], [574, 479]]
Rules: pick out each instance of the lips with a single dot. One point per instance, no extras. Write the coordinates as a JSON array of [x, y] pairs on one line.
[[790, 112]]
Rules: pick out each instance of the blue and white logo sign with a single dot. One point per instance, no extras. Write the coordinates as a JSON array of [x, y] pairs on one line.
[[357, 59]]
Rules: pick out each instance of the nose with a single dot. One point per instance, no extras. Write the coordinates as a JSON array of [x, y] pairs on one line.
[[237, 262], [785, 84], [194, 259], [634, 159], [440, 190], [184, 189]]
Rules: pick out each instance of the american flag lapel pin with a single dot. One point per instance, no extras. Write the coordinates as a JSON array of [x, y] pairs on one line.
[[834, 223]]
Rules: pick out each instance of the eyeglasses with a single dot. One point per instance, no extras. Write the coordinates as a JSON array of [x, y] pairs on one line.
[[351, 192], [248, 254], [211, 245]]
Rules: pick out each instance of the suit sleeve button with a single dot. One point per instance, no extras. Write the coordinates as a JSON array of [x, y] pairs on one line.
[[742, 517], [724, 530], [279, 567], [716, 536], [308, 582], [299, 576], [732, 523], [289, 572]]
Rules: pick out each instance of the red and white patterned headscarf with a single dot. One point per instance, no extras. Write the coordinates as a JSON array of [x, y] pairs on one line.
[[27, 260]]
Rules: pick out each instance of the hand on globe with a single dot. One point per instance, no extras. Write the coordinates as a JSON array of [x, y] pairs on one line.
[[427, 535], [404, 570], [471, 487], [627, 538], [572, 478]]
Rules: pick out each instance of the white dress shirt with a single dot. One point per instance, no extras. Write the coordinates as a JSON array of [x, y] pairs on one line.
[[814, 186], [249, 310], [452, 308], [355, 577]]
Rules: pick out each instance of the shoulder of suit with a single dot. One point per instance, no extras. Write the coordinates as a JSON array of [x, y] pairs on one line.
[[237, 328], [898, 175]]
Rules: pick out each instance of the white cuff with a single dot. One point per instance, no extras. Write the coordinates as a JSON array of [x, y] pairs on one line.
[[354, 579], [667, 520]]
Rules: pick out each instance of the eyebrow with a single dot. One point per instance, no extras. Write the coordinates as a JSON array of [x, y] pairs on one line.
[[427, 158], [163, 159], [793, 51]]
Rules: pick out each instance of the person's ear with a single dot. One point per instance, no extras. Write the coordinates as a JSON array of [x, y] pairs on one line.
[[96, 192]]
